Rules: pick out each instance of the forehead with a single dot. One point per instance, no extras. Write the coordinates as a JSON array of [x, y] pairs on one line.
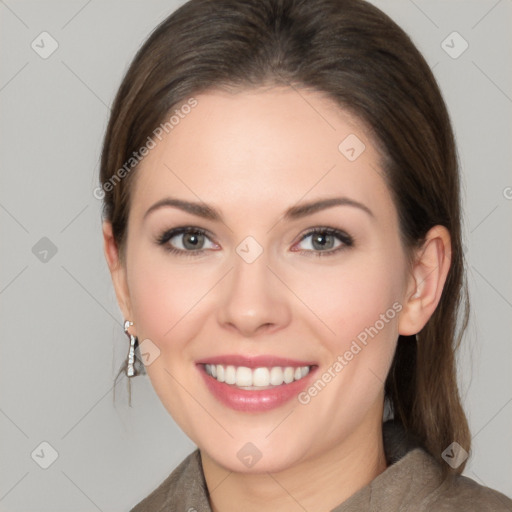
[[262, 147]]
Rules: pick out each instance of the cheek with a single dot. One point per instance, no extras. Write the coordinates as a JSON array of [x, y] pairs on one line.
[[166, 301], [361, 305], [165, 297], [345, 300]]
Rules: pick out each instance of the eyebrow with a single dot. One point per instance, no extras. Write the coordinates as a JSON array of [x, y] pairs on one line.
[[295, 212]]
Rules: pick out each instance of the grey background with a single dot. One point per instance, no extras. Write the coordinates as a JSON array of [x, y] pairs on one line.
[[62, 338]]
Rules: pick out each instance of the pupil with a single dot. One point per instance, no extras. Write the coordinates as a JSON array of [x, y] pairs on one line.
[[321, 241], [192, 240]]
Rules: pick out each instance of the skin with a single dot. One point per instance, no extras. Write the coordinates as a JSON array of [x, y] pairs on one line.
[[252, 155]]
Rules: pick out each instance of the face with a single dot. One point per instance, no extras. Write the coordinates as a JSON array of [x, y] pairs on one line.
[[296, 308]]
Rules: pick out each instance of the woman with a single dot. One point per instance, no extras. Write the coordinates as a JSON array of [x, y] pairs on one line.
[[282, 226]]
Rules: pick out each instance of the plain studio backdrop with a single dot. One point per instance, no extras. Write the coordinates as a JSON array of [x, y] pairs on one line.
[[65, 445]]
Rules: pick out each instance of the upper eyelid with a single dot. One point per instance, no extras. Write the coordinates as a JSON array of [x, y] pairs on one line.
[[182, 230], [340, 234]]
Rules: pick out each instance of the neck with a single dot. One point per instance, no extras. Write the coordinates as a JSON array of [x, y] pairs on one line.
[[318, 484]]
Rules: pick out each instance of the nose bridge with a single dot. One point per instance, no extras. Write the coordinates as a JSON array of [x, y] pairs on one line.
[[252, 297]]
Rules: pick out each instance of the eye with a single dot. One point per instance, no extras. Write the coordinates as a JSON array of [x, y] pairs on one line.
[[323, 241], [190, 241], [185, 241]]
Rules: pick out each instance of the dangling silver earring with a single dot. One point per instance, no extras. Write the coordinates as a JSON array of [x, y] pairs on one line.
[[130, 363]]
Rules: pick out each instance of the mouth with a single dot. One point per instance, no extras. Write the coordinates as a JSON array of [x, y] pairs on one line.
[[255, 384], [260, 378]]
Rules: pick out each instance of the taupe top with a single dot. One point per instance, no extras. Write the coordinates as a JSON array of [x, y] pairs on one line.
[[411, 482]]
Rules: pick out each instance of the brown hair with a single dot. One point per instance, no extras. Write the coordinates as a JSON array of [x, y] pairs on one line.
[[354, 53]]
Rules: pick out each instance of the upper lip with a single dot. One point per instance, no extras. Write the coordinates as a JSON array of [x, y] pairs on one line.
[[254, 361]]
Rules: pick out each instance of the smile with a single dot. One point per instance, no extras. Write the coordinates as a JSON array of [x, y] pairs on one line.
[[256, 378], [255, 384]]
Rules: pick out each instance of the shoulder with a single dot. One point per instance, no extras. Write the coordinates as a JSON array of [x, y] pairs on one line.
[[453, 493], [414, 481], [183, 489], [462, 493]]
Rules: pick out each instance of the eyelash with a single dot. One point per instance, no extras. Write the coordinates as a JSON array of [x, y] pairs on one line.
[[347, 241]]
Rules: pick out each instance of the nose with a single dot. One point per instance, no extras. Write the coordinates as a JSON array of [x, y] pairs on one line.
[[254, 300]]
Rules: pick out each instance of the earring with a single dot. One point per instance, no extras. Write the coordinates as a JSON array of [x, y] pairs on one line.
[[130, 363]]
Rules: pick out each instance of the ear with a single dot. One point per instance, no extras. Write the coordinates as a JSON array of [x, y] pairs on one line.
[[117, 270], [426, 282]]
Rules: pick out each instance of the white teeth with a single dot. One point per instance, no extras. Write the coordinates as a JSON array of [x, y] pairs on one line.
[[261, 377], [230, 375], [288, 374], [253, 378], [243, 376], [276, 376]]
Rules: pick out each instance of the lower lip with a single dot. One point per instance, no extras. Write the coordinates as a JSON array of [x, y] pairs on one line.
[[254, 400]]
